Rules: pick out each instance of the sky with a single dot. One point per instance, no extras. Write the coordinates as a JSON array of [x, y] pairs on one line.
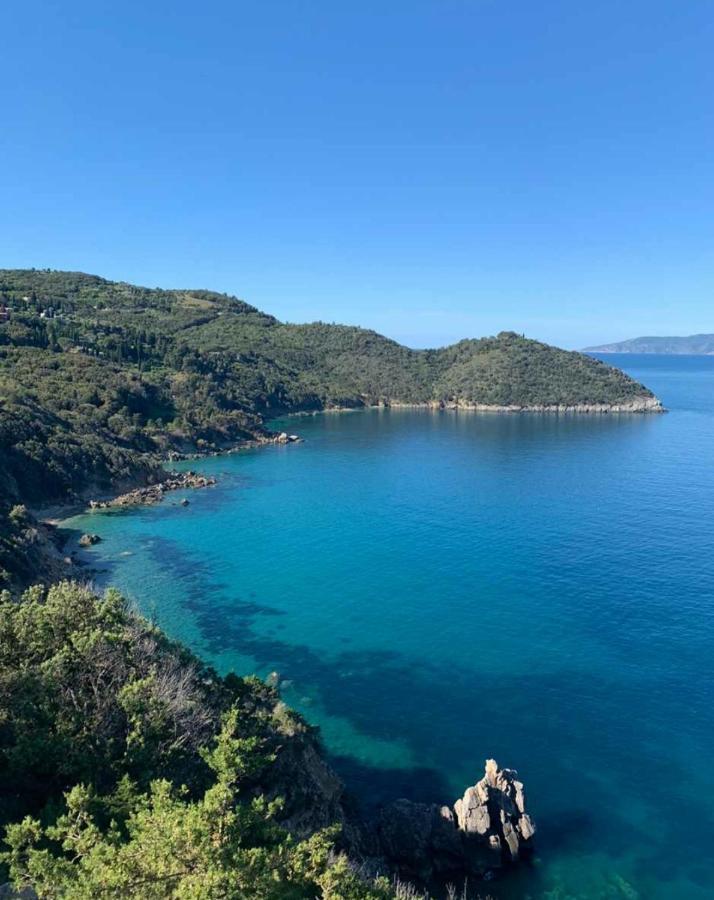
[[432, 169]]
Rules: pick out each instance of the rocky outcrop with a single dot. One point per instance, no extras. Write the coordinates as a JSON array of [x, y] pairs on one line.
[[641, 404], [492, 816], [285, 438], [420, 840], [311, 793], [488, 828], [89, 540], [155, 493]]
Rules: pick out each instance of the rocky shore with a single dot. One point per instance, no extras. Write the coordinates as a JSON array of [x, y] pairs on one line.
[[486, 830], [155, 493], [480, 837], [637, 405]]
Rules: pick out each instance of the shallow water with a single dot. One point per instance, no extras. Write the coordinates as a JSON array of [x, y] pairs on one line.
[[438, 588]]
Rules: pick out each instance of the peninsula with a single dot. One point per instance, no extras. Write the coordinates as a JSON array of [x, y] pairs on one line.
[[693, 345]]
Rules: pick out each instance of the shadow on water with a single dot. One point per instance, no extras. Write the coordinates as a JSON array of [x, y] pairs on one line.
[[387, 696], [542, 721], [372, 786]]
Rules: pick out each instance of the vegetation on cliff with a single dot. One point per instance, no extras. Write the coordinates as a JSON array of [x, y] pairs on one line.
[[128, 768]]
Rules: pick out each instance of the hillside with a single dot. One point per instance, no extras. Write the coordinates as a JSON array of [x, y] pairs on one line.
[[100, 381], [694, 344]]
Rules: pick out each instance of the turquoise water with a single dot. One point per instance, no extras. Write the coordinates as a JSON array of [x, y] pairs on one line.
[[437, 588]]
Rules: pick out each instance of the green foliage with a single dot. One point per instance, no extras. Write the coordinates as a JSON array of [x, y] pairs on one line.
[[129, 769], [90, 693], [168, 846]]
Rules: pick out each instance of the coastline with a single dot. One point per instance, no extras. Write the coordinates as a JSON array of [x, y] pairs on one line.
[[638, 406], [54, 514]]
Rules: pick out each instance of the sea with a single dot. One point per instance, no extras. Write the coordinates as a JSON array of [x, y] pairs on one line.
[[434, 588]]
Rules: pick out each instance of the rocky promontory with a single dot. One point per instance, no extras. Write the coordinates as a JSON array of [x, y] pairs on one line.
[[155, 493], [485, 830]]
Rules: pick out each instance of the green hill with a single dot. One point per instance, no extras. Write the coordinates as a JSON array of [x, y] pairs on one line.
[[100, 380]]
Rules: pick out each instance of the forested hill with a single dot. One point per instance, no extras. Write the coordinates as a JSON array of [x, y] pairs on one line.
[[693, 344], [99, 380]]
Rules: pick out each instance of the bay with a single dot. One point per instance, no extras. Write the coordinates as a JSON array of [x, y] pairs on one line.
[[436, 588]]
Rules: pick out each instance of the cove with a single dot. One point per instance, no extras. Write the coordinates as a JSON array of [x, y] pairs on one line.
[[435, 588]]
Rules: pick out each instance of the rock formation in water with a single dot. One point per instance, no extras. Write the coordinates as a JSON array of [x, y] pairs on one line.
[[486, 829], [155, 493]]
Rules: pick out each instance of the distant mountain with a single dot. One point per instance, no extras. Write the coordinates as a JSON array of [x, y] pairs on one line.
[[695, 345]]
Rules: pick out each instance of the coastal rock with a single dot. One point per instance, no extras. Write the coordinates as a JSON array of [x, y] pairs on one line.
[[487, 828], [420, 839], [492, 815], [285, 438], [311, 793], [635, 405], [88, 540], [154, 493]]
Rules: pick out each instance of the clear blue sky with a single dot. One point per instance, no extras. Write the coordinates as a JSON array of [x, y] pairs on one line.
[[433, 170]]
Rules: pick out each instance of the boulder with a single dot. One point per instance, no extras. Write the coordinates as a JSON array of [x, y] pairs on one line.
[[491, 815], [487, 828], [88, 540]]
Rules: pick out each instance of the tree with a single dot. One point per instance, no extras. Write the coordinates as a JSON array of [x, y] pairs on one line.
[[160, 845]]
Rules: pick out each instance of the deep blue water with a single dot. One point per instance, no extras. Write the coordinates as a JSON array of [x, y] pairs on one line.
[[438, 588]]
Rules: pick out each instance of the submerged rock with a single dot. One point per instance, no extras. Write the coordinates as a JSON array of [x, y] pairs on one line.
[[88, 540]]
